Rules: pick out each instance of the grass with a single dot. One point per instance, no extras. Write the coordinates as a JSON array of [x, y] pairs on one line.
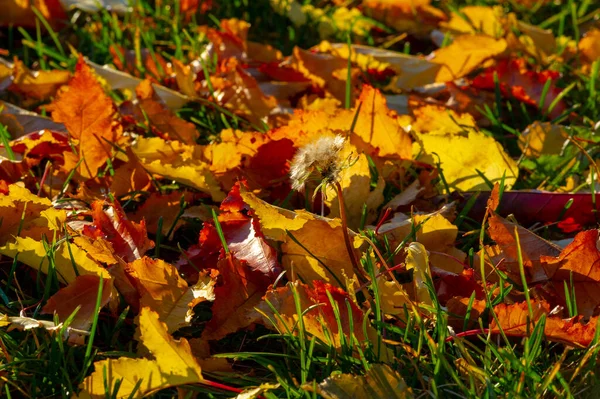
[[420, 345]]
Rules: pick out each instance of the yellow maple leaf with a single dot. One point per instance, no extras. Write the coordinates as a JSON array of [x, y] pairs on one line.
[[163, 290], [34, 254], [543, 138], [25, 213], [173, 364], [179, 162], [305, 255], [466, 53], [461, 156]]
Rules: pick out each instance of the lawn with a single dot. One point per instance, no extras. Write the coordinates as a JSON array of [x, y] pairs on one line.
[[299, 199]]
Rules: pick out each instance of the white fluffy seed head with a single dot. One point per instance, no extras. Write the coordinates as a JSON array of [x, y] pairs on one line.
[[319, 159]]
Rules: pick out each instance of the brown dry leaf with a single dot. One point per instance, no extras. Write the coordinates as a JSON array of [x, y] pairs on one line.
[[465, 54], [172, 365], [162, 118], [88, 114], [543, 138], [81, 295]]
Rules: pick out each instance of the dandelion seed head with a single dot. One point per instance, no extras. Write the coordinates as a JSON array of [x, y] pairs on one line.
[[320, 158]]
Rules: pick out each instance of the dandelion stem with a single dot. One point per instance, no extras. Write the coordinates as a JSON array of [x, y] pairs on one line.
[[344, 219]]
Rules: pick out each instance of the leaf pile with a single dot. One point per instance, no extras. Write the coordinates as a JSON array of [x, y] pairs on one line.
[[411, 180]]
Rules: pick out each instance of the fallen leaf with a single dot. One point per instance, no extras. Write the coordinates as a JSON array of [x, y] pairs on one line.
[[239, 291], [378, 383], [34, 254], [27, 215], [543, 138], [81, 295], [162, 289], [465, 54], [173, 364], [517, 80], [162, 118], [129, 239], [514, 320], [87, 113], [179, 162], [461, 156]]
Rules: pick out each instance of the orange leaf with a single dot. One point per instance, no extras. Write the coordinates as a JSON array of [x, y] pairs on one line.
[[129, 239], [514, 320], [80, 294], [240, 290], [162, 118], [87, 113]]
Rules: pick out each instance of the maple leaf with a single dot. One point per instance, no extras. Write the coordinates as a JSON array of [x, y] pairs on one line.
[[518, 81], [25, 214], [461, 156], [515, 321], [162, 289], [415, 16], [80, 295], [319, 321], [240, 290], [88, 114], [129, 239], [39, 85], [173, 364], [179, 162], [380, 382], [162, 118], [35, 255], [465, 54]]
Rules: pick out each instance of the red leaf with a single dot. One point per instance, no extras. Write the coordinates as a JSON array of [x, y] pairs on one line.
[[129, 239], [517, 80]]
